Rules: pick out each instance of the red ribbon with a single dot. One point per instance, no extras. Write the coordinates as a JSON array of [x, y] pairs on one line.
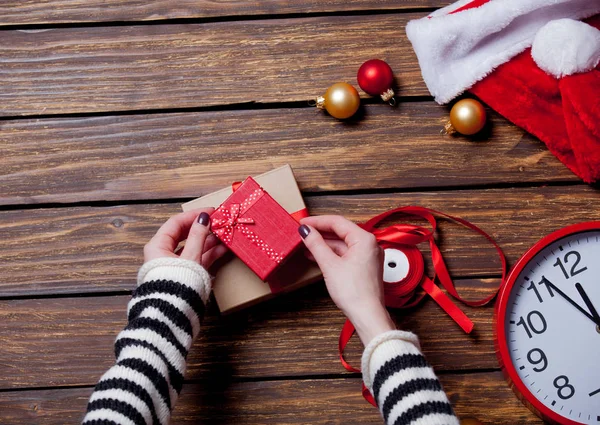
[[296, 215], [300, 214], [402, 294], [224, 228]]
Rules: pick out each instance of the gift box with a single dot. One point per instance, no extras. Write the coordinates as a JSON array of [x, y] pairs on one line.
[[256, 228], [235, 285]]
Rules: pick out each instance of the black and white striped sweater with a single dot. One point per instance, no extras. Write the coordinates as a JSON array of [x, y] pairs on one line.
[[164, 317]]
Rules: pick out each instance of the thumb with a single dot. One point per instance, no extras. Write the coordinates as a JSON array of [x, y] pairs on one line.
[[323, 254], [194, 245]]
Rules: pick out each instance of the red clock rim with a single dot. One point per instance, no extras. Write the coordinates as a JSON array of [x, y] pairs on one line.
[[502, 353]]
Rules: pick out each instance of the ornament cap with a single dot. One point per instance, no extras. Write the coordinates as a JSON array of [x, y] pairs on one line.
[[448, 129], [320, 102], [388, 96]]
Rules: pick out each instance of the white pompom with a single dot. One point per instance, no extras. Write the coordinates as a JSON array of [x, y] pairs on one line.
[[565, 46]]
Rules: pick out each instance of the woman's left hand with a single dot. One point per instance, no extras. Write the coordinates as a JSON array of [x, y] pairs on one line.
[[192, 226]]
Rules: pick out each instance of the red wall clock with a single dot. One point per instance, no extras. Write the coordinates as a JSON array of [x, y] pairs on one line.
[[548, 326]]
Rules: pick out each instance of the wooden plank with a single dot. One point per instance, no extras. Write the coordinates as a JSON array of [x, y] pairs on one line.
[[86, 11], [86, 249], [185, 155], [482, 395], [69, 341], [98, 69]]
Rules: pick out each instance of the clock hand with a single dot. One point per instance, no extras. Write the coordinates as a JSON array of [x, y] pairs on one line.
[[588, 302], [573, 303]]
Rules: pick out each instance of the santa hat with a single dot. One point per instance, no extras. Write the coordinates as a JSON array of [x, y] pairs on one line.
[[551, 89]]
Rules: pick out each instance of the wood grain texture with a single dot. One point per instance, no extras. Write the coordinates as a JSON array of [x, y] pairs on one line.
[[88, 249], [206, 68], [70, 341], [97, 69], [85, 11], [185, 155], [316, 402]]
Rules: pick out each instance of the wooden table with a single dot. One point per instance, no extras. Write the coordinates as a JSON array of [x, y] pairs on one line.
[[115, 112]]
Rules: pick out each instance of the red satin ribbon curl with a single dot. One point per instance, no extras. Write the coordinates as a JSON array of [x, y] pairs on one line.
[[403, 294]]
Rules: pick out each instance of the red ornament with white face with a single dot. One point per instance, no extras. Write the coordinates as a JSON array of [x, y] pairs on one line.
[[548, 326]]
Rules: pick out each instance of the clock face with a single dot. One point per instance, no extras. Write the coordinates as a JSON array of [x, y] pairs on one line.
[[551, 327]]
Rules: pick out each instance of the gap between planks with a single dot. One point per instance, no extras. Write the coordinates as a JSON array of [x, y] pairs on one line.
[[215, 19], [317, 194], [238, 380], [225, 107]]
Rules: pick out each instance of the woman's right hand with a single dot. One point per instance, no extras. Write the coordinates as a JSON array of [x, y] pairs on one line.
[[352, 266], [193, 226]]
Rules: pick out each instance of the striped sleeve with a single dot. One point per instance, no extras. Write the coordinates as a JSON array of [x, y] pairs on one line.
[[403, 384], [164, 317]]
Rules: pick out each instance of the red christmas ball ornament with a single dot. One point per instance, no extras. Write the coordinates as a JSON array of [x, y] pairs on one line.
[[375, 77]]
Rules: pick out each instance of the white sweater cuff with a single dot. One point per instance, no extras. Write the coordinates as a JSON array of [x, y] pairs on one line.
[[385, 347], [185, 272]]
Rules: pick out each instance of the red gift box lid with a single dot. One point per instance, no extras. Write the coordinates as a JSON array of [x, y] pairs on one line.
[[256, 228]]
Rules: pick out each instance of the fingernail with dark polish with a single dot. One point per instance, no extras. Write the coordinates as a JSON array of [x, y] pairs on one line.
[[203, 219], [304, 231]]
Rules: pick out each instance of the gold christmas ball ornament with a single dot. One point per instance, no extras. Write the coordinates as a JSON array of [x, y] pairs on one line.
[[341, 100], [467, 117], [470, 421]]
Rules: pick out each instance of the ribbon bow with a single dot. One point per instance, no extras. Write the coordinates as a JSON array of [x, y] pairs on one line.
[[224, 228], [403, 294]]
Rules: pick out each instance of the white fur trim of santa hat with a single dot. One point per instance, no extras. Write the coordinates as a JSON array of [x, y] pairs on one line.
[[457, 50], [566, 47]]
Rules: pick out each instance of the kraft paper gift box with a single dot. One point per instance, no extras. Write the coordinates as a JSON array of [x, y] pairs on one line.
[[235, 285]]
